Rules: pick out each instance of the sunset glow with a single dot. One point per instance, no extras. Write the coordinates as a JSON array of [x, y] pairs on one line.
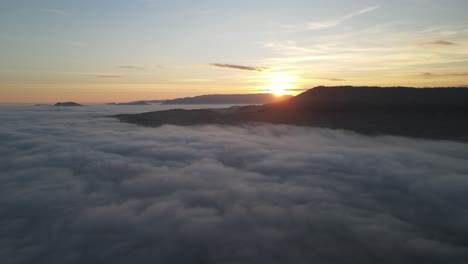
[[278, 91], [215, 131], [280, 84], [67, 50]]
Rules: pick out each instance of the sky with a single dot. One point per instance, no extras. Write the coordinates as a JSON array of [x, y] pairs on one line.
[[124, 50]]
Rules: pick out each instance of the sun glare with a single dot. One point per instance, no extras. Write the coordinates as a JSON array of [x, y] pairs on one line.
[[280, 84], [277, 91]]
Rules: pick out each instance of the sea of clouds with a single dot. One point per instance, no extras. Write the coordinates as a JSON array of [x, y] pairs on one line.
[[79, 188]]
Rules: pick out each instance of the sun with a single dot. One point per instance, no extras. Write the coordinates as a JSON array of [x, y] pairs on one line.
[[277, 90], [280, 84]]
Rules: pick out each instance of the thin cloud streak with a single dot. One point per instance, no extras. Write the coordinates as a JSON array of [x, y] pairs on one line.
[[332, 79], [239, 67], [110, 76], [54, 11], [438, 43], [437, 75], [319, 25], [340, 20], [131, 67]]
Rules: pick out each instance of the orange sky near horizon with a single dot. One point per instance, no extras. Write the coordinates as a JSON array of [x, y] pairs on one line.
[[86, 52]]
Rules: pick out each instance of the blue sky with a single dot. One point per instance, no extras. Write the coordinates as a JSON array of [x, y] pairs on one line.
[[122, 50]]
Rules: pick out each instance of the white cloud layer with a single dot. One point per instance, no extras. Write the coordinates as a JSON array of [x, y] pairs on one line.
[[80, 189]]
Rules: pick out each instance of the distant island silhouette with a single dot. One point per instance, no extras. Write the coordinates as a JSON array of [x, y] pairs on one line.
[[67, 104], [438, 113]]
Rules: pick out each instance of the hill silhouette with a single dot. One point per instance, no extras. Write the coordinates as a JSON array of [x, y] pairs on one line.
[[439, 113], [131, 103], [68, 104], [228, 99]]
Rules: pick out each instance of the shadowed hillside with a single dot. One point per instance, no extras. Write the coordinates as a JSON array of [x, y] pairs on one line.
[[439, 113]]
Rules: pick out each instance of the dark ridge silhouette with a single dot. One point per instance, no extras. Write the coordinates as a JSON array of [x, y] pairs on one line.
[[142, 102], [228, 99], [155, 101], [437, 113], [132, 103], [68, 104]]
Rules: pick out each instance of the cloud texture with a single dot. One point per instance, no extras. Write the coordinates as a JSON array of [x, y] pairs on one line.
[[337, 21], [438, 43], [79, 189], [239, 67]]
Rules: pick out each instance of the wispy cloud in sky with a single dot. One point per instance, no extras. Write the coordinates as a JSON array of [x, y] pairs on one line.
[[132, 67], [317, 25], [110, 76], [239, 67], [356, 54], [438, 43], [140, 67], [54, 11], [436, 75], [290, 48], [332, 79]]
